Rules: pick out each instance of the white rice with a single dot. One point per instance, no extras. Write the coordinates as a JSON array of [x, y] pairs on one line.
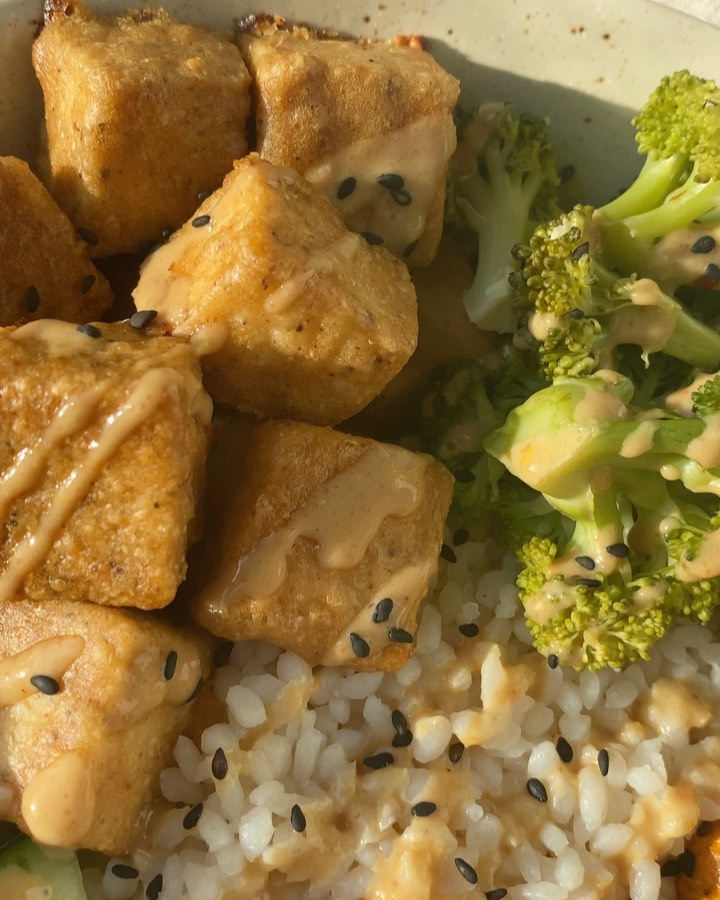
[[298, 737]]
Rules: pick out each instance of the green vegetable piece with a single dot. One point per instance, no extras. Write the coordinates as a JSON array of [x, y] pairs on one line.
[[59, 870]]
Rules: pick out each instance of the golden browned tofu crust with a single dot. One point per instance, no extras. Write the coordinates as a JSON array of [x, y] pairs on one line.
[[347, 113], [104, 436], [704, 883], [46, 272], [83, 743], [312, 322], [325, 547], [142, 113]]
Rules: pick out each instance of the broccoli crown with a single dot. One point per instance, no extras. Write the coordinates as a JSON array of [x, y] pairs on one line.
[[639, 492], [502, 182], [706, 397], [578, 310]]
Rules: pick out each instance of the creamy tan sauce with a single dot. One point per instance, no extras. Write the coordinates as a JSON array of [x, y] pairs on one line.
[[405, 588], [409, 870], [151, 388], [52, 656], [340, 519], [639, 441], [680, 401], [19, 884], [674, 706], [418, 152], [707, 562], [59, 338], [674, 261], [58, 803], [705, 448]]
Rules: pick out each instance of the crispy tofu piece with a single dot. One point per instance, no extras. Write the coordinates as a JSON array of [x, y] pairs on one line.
[[371, 123], [312, 322], [46, 272], [82, 745], [325, 546], [704, 883], [103, 440], [142, 113]]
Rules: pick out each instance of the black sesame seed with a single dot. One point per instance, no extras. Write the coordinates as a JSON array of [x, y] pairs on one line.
[[704, 244], [496, 894], [424, 808], [670, 868], [199, 221], [193, 817], [346, 187], [165, 233], [154, 888], [170, 665], [399, 721], [564, 750], [297, 819], [400, 636], [587, 562], [466, 870], [372, 238], [581, 250], [403, 740], [464, 476], [576, 313], [588, 582], [410, 249], [704, 829], [379, 760], [142, 318], [620, 551], [203, 195], [448, 553], [45, 684], [31, 300], [391, 181], [87, 283], [402, 198], [221, 657], [382, 611], [469, 629], [713, 272], [88, 236], [360, 646], [553, 661], [90, 330], [460, 536], [145, 247], [687, 863], [198, 688], [455, 751], [120, 870], [219, 764], [603, 762], [536, 789], [566, 173]]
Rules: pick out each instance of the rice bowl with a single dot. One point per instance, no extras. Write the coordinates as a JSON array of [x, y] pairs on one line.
[[479, 768]]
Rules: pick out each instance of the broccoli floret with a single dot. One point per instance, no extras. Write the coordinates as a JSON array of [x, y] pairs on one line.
[[578, 309], [639, 491], [677, 131], [502, 182]]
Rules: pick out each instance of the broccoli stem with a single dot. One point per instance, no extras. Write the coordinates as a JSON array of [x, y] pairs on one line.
[[655, 181]]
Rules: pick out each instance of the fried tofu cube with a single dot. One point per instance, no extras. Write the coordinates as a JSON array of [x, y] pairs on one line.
[[103, 441], [46, 272], [92, 701], [142, 113], [371, 123], [325, 547], [704, 852], [311, 321]]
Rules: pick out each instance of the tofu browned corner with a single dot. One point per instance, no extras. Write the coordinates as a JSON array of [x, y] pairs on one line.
[[142, 114], [46, 271], [309, 321], [92, 701], [102, 457], [369, 122], [325, 547]]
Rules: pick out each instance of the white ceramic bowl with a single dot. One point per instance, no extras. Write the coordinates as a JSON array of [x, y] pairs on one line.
[[584, 65]]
